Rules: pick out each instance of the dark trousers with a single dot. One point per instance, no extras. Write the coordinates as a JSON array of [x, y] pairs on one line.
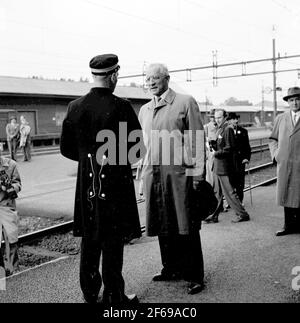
[[239, 182], [111, 248], [224, 185], [292, 219], [182, 254]]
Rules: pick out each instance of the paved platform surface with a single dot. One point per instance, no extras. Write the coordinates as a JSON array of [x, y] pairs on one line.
[[244, 262]]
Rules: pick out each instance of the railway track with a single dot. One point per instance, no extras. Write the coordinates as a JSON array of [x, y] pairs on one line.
[[67, 226], [47, 150]]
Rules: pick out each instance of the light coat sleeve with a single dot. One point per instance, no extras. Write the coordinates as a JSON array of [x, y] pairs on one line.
[[16, 179], [197, 140], [273, 144], [68, 145]]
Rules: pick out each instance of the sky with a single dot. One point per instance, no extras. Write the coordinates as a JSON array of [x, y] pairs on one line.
[[57, 38]]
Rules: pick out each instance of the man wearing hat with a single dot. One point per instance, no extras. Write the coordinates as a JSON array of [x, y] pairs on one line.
[[105, 212], [285, 148], [242, 153]]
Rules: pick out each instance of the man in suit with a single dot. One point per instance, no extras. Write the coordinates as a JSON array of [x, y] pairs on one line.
[[224, 170], [285, 148], [242, 153], [173, 167], [105, 211]]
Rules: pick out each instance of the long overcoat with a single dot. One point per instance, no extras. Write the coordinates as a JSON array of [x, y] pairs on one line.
[[105, 201], [285, 149], [170, 166]]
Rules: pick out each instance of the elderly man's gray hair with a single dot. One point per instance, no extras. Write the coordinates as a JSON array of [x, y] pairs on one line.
[[162, 68]]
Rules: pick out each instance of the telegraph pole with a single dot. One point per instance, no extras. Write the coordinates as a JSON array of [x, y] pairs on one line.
[[274, 77], [262, 106]]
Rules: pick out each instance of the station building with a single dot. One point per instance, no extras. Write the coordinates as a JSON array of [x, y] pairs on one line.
[[44, 103]]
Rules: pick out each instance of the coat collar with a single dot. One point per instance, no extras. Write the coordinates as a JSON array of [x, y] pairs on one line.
[[296, 128], [289, 123], [168, 99]]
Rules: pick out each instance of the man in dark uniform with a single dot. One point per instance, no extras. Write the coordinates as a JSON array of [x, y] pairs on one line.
[[242, 153], [105, 211]]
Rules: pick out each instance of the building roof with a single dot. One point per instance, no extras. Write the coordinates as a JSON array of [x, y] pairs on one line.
[[241, 108], [37, 87]]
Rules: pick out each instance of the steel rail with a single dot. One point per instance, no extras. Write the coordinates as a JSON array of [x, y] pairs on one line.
[[67, 226]]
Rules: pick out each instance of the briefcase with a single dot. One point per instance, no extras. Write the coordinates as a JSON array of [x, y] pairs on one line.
[[204, 200]]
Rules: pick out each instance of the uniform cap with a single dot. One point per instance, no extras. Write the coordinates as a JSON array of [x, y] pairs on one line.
[[104, 64]]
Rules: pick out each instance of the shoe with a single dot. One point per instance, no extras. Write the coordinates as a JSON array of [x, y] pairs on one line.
[[241, 219], [195, 288], [131, 299], [165, 277], [283, 232], [91, 300], [111, 298], [212, 220]]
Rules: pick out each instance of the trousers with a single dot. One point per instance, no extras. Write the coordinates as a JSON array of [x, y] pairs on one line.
[[111, 248], [223, 186], [182, 254], [292, 219]]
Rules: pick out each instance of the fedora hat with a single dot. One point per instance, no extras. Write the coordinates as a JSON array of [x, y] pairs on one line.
[[232, 115], [292, 92], [212, 113]]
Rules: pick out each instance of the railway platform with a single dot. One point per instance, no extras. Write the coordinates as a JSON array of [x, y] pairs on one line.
[[244, 263]]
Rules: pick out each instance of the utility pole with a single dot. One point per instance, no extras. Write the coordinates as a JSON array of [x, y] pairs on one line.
[[262, 106], [215, 68], [274, 77]]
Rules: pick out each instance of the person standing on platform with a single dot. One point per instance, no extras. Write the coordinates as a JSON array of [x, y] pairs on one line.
[[210, 130], [25, 140], [171, 124], [242, 153], [224, 170], [285, 150], [95, 133], [12, 133], [10, 185]]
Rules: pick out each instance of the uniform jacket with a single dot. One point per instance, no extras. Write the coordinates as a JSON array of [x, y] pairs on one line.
[[8, 213], [225, 150], [105, 200], [168, 186], [285, 149]]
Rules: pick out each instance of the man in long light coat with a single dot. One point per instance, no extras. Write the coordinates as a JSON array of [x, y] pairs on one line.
[[285, 150], [173, 167]]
